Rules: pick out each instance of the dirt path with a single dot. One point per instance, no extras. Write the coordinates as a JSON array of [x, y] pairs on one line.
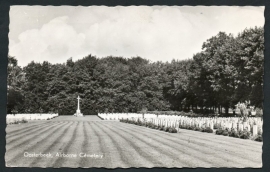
[[112, 144]]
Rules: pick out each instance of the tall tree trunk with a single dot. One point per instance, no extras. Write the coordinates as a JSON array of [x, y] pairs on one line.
[[226, 110]]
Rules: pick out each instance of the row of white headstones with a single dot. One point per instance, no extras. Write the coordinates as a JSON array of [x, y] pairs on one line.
[[10, 118], [118, 116], [252, 124]]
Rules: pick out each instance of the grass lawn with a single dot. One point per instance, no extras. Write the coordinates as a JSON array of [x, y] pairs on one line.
[[122, 145]]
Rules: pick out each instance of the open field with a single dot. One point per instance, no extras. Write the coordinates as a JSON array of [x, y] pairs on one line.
[[123, 145]]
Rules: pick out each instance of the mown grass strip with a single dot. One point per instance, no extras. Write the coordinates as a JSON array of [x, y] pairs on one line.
[[16, 155], [54, 143], [149, 152], [190, 146]]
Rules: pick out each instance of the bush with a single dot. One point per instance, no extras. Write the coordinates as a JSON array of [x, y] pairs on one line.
[[208, 130], [234, 133], [259, 138], [219, 131], [139, 123], [172, 130], [197, 129], [151, 125], [259, 112], [182, 126], [124, 120], [24, 121], [16, 122], [225, 133], [191, 128], [161, 127], [244, 134]]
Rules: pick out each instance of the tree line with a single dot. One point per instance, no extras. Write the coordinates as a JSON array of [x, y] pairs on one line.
[[228, 70]]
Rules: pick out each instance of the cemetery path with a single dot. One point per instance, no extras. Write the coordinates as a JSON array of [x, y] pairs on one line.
[[111, 144]]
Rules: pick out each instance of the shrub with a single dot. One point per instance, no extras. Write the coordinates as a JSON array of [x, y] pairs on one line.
[[139, 123], [172, 130], [225, 133], [147, 124], [16, 122], [191, 128], [166, 129], [182, 126], [151, 125], [234, 133], [219, 131], [259, 138], [259, 112], [208, 130], [245, 134], [197, 129], [161, 127], [24, 121]]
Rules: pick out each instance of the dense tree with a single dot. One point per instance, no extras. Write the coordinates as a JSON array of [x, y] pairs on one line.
[[228, 70], [15, 81], [249, 63]]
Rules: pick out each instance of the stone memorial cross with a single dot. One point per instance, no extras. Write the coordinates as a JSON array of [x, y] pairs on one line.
[[78, 111], [78, 103]]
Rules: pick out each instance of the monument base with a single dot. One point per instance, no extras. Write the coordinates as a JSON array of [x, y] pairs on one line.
[[78, 113]]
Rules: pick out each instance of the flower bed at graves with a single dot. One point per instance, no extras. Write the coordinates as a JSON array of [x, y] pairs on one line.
[[24, 118], [152, 125], [206, 130], [118, 116], [181, 113], [245, 134], [16, 121], [233, 127], [244, 128]]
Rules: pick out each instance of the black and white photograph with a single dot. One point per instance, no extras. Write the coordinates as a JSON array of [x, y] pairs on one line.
[[135, 86]]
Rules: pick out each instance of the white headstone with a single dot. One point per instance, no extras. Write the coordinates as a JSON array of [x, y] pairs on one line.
[[254, 130]]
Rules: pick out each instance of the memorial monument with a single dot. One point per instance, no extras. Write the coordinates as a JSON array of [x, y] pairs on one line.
[[78, 111]]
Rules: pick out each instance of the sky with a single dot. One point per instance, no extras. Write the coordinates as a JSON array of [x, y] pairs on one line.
[[157, 33]]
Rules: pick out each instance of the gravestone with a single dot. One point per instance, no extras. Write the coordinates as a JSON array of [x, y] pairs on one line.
[[254, 130], [248, 127], [241, 128], [234, 125], [211, 125]]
